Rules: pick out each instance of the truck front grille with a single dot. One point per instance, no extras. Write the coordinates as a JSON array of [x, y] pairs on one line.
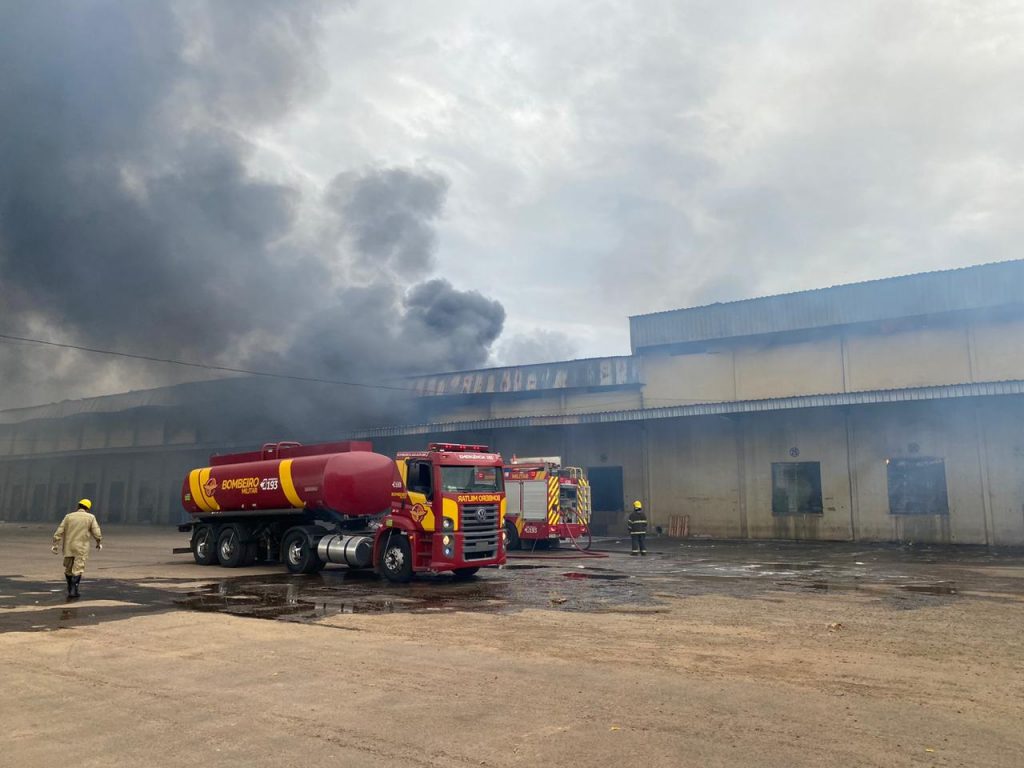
[[479, 526]]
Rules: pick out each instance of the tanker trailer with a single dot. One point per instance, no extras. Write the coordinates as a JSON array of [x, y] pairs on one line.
[[307, 506]]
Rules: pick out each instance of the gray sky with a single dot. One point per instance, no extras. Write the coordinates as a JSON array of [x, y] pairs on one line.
[[614, 158], [574, 162]]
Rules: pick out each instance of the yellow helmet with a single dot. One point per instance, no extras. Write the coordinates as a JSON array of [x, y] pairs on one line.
[[85, 503], [637, 505]]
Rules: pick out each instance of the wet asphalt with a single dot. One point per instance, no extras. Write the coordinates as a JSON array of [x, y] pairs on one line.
[[606, 580]]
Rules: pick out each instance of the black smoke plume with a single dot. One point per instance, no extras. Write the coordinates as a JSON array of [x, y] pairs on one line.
[[131, 217]]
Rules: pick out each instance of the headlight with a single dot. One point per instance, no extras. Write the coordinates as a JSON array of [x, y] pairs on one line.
[[447, 540], [447, 524], [448, 551]]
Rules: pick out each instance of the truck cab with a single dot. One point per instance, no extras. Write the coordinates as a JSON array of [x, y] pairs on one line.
[[447, 513]]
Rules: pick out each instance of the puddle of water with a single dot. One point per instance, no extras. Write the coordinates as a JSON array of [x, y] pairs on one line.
[[790, 566], [598, 576], [902, 578], [525, 567]]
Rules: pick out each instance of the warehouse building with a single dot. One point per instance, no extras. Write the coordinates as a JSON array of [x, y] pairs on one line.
[[888, 410]]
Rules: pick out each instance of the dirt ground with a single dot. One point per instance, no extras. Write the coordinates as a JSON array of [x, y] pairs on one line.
[[701, 654]]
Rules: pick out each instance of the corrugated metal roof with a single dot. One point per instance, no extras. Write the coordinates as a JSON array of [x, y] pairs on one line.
[[979, 287], [982, 389], [569, 374]]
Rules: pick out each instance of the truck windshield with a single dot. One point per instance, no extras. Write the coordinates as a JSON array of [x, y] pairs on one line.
[[468, 479]]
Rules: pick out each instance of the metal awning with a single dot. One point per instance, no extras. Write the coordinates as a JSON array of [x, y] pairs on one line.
[[951, 391]]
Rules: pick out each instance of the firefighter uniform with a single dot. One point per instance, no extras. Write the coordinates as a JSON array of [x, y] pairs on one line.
[[72, 538], [637, 522]]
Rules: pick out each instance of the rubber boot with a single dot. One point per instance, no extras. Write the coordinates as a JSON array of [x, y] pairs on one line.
[[70, 581], [75, 581]]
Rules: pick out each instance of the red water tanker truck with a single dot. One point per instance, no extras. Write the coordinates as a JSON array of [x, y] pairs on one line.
[[437, 510]]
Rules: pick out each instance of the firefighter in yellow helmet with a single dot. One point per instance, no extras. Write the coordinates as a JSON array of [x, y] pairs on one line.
[[637, 522], [74, 532]]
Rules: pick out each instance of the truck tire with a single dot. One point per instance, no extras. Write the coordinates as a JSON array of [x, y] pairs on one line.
[[251, 553], [231, 549], [461, 574], [299, 553], [512, 537], [204, 545], [396, 558]]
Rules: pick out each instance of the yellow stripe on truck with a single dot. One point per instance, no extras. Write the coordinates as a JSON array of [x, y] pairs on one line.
[[284, 471], [197, 493], [207, 499]]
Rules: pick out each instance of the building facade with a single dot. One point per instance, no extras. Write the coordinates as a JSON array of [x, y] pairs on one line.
[[891, 410], [882, 411]]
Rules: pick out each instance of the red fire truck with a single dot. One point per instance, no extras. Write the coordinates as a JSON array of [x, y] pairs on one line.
[[547, 503], [436, 510]]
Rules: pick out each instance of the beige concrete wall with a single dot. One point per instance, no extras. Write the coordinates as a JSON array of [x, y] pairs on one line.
[[785, 369], [719, 471], [1001, 423], [813, 435], [851, 360], [683, 379], [555, 404], [597, 402], [940, 429], [998, 350], [913, 358], [694, 471]]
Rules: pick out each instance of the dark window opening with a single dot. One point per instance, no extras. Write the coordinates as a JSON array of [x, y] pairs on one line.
[[796, 488], [419, 478], [38, 508], [114, 512], [147, 504], [63, 499], [18, 502], [606, 498], [917, 486]]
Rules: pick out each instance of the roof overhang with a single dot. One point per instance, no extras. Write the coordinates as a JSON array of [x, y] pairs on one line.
[[951, 391]]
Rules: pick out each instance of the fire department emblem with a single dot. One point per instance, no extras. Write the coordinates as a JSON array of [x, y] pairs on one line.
[[418, 513], [210, 486]]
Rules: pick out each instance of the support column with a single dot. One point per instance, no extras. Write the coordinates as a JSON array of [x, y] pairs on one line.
[[852, 477], [741, 475]]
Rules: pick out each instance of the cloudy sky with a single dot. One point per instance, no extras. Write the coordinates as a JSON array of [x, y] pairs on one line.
[[482, 182]]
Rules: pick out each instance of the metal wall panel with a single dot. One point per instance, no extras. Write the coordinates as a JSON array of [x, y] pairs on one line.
[[981, 287], [571, 374]]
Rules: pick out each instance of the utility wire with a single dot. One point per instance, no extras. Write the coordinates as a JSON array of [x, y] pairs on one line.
[[204, 366]]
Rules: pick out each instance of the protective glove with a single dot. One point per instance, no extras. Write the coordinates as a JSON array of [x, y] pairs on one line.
[[99, 545], [54, 549]]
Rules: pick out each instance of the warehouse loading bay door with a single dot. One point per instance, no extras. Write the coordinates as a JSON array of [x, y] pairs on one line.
[[606, 497]]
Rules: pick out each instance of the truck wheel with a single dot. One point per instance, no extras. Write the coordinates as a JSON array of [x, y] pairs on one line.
[[299, 554], [464, 573], [396, 559], [230, 548], [204, 545], [512, 537], [251, 553]]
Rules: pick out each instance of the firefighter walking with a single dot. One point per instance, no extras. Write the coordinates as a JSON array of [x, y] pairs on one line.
[[637, 521], [73, 533]]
